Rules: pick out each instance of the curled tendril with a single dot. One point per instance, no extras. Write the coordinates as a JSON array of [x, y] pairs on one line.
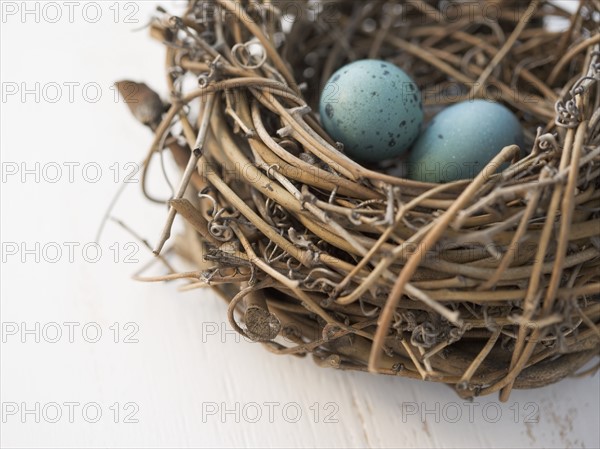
[[219, 225], [210, 198], [279, 216], [547, 141], [567, 115], [222, 233], [271, 169], [424, 335], [579, 88], [293, 267], [354, 218], [369, 313], [327, 280], [243, 57], [205, 79]]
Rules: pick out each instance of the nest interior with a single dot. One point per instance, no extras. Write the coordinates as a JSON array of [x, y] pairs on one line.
[[486, 284]]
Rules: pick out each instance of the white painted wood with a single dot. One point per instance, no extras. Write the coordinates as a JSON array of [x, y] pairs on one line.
[[186, 360]]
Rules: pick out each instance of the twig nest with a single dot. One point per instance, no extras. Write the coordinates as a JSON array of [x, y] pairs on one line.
[[485, 284]]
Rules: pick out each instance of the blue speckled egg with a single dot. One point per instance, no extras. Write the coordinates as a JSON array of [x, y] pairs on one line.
[[373, 108], [461, 140]]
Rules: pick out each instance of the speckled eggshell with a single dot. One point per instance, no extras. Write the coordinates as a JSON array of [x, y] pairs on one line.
[[373, 108], [461, 140]]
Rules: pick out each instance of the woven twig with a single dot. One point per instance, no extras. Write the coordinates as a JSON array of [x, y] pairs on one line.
[[486, 284]]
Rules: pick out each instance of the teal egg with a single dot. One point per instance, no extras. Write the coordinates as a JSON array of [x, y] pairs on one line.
[[373, 108], [461, 140]]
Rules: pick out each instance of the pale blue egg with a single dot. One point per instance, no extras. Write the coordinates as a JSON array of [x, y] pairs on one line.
[[373, 108], [461, 140]]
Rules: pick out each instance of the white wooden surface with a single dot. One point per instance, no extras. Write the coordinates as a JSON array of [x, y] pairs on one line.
[[187, 369]]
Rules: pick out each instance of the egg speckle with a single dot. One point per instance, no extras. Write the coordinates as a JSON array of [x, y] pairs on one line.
[[373, 108], [461, 140]]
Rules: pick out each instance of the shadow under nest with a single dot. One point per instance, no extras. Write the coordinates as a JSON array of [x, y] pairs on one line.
[[486, 284]]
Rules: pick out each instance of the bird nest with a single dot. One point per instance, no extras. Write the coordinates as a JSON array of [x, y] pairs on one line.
[[485, 284]]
